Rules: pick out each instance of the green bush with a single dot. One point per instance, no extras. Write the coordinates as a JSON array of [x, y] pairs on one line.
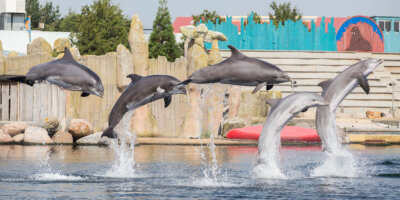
[[162, 40]]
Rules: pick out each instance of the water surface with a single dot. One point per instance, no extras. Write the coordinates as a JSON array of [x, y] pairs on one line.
[[178, 172]]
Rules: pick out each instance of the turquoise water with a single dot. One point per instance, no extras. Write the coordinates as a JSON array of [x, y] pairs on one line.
[[179, 172]]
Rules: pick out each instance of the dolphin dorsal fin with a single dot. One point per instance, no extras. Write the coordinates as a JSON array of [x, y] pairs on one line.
[[67, 55], [272, 102], [325, 84], [236, 53], [134, 77]]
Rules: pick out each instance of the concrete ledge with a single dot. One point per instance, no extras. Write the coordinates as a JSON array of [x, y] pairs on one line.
[[374, 139], [186, 141]]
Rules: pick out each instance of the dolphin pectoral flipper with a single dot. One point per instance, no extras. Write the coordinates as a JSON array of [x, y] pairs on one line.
[[363, 81], [258, 87], [297, 109], [270, 86], [85, 94], [167, 101]]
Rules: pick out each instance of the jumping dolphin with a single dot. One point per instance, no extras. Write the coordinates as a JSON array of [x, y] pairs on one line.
[[282, 111], [334, 91], [141, 91], [66, 73], [240, 70]]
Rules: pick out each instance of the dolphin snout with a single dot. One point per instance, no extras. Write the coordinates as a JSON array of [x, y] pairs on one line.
[[284, 78], [379, 61], [98, 93]]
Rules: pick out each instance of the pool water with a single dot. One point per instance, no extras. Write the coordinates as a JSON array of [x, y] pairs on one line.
[[179, 172]]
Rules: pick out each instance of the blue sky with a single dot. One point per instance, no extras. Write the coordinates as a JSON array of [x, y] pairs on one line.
[[147, 9]]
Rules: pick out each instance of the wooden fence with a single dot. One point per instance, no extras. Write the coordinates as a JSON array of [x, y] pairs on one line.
[[20, 102], [33, 104]]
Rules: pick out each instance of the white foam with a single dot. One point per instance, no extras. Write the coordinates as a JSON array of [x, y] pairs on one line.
[[56, 177], [339, 161], [211, 183], [264, 170], [340, 164]]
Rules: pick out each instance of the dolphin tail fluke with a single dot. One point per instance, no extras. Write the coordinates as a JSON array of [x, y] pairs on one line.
[[185, 82], [22, 79], [109, 132]]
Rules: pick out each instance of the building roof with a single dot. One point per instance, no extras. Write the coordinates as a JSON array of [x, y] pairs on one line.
[[181, 21]]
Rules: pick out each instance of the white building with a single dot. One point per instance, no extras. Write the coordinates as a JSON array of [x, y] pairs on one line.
[[12, 14]]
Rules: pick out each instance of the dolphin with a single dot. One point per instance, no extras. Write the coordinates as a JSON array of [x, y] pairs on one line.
[[334, 91], [282, 111], [66, 73], [240, 70], [141, 91]]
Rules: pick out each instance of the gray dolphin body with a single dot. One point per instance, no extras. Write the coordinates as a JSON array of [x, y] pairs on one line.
[[282, 111], [334, 91], [141, 91], [66, 73], [240, 70]]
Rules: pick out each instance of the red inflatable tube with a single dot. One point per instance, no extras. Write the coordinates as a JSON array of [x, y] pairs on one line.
[[288, 133]]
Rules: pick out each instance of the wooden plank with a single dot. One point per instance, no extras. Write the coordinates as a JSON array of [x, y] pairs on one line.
[[28, 103], [36, 92], [21, 102], [5, 110], [96, 108], [43, 102], [54, 101], [104, 109], [14, 102], [88, 102], [48, 106]]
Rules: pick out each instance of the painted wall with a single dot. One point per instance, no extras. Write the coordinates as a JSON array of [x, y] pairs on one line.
[[292, 36], [331, 34], [360, 33]]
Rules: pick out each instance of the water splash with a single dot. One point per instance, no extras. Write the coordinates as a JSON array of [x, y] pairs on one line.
[[124, 165], [211, 170], [268, 165], [47, 174], [339, 161]]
